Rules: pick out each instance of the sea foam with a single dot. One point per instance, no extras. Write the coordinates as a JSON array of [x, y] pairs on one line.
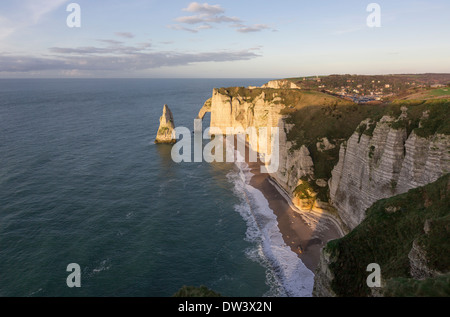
[[286, 273]]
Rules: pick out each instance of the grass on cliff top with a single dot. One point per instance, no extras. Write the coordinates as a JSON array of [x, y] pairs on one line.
[[339, 122], [427, 93], [430, 287], [292, 99], [438, 121], [336, 123], [440, 92], [386, 237]]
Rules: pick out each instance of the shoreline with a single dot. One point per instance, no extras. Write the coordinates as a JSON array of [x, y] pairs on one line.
[[305, 241]]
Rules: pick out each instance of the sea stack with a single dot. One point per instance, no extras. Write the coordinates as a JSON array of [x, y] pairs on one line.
[[166, 132]]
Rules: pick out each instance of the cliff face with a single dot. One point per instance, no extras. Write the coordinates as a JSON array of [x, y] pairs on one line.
[[406, 235], [294, 164], [234, 110], [166, 133], [385, 164]]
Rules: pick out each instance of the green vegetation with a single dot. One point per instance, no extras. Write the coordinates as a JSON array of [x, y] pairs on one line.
[[192, 291], [384, 84], [434, 243], [338, 123], [440, 92], [438, 120], [386, 237], [324, 162], [430, 287], [333, 122], [371, 151], [208, 103], [163, 130], [308, 189], [293, 99], [303, 191]]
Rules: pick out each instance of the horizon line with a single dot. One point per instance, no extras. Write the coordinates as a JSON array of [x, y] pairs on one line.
[[274, 78]]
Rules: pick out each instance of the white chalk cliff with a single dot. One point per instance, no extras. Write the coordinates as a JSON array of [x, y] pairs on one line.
[[370, 167], [281, 84], [383, 165]]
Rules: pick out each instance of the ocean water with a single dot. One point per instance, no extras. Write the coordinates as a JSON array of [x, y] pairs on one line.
[[81, 181]]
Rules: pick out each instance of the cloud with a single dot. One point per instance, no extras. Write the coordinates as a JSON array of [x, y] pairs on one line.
[[196, 19], [252, 28], [181, 28], [204, 27], [112, 42], [81, 50], [126, 35], [191, 19], [211, 14], [115, 47], [222, 18], [204, 8], [113, 59]]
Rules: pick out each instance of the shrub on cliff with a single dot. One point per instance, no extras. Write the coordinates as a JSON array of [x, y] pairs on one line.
[[192, 291]]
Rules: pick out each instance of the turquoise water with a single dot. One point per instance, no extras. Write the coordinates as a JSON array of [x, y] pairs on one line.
[[82, 182]]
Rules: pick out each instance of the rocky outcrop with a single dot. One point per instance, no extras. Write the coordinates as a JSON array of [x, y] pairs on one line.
[[278, 84], [205, 109], [324, 145], [166, 132], [418, 263], [387, 163], [324, 277], [294, 164]]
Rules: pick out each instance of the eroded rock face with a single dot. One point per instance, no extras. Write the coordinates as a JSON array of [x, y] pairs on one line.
[[294, 164], [281, 84], [324, 145], [324, 277], [388, 163], [166, 132], [205, 109], [418, 263]]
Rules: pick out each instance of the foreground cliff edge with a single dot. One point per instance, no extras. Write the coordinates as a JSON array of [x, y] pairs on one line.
[[166, 130], [337, 158], [406, 235]]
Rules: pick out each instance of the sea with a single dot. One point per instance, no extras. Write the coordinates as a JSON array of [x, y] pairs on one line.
[[81, 181]]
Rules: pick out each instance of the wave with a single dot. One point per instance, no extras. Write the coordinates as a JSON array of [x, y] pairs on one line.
[[286, 274]]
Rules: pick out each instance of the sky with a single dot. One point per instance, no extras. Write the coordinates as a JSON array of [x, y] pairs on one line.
[[221, 39]]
